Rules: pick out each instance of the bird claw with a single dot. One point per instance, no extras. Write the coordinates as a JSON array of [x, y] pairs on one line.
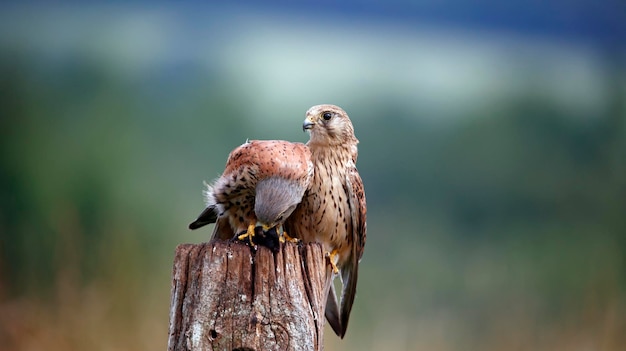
[[332, 257], [248, 234], [257, 235], [286, 238], [268, 238]]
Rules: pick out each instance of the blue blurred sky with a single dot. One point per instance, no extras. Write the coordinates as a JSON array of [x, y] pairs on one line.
[[442, 57], [602, 23]]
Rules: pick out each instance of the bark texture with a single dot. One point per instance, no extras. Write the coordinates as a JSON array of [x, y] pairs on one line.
[[229, 296]]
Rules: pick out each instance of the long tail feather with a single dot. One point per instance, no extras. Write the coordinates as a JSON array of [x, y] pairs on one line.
[[332, 310], [207, 216], [349, 277]]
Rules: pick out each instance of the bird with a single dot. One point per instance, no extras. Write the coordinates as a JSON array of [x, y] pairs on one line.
[[333, 209], [262, 183]]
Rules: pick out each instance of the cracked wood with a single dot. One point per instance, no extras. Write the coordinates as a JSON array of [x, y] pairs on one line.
[[229, 296]]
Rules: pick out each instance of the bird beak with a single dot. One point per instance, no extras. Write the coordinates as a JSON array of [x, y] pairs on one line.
[[308, 124]]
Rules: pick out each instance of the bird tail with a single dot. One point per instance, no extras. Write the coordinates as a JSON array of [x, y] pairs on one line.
[[332, 308], [207, 216], [338, 318], [349, 277]]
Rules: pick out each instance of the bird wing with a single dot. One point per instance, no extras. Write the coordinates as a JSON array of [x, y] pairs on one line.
[[349, 273], [271, 158], [358, 211], [249, 165]]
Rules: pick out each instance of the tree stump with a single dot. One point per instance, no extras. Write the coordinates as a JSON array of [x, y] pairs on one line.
[[229, 296]]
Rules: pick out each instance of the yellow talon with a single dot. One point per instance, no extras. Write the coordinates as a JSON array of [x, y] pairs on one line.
[[332, 256], [248, 234], [286, 237]]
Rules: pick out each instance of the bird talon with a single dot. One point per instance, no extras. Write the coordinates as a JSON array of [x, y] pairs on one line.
[[286, 237], [332, 257], [248, 234]]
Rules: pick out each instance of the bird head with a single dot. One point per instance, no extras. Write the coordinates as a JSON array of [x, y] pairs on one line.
[[329, 125]]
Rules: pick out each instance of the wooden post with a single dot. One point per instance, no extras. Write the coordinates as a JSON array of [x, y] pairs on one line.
[[229, 296]]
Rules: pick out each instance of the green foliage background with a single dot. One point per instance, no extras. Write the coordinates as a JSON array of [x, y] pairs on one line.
[[494, 225]]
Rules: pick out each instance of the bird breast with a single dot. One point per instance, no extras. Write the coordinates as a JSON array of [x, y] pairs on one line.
[[327, 204]]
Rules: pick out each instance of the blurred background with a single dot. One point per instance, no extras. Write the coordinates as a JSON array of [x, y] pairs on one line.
[[493, 152]]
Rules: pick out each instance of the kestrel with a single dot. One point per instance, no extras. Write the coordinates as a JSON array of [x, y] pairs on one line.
[[333, 210], [262, 183]]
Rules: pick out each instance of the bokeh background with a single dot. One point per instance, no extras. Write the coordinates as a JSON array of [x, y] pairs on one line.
[[493, 151]]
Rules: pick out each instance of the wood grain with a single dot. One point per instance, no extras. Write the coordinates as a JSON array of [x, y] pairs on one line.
[[229, 296]]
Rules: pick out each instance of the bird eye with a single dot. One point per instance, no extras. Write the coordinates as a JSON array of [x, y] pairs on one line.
[[327, 115]]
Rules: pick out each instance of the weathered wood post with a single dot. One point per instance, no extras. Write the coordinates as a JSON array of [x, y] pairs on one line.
[[229, 296]]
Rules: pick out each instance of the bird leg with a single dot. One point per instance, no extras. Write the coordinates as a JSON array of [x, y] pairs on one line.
[[332, 257], [285, 237], [248, 234]]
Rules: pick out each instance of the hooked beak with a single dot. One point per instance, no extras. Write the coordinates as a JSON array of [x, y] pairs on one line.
[[308, 124]]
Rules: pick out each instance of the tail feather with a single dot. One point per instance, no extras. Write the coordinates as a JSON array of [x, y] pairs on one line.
[[349, 277], [332, 309], [208, 216], [222, 230], [338, 317]]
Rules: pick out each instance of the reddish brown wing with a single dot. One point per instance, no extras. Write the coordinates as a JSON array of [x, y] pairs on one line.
[[273, 158], [231, 198], [350, 271], [358, 209]]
